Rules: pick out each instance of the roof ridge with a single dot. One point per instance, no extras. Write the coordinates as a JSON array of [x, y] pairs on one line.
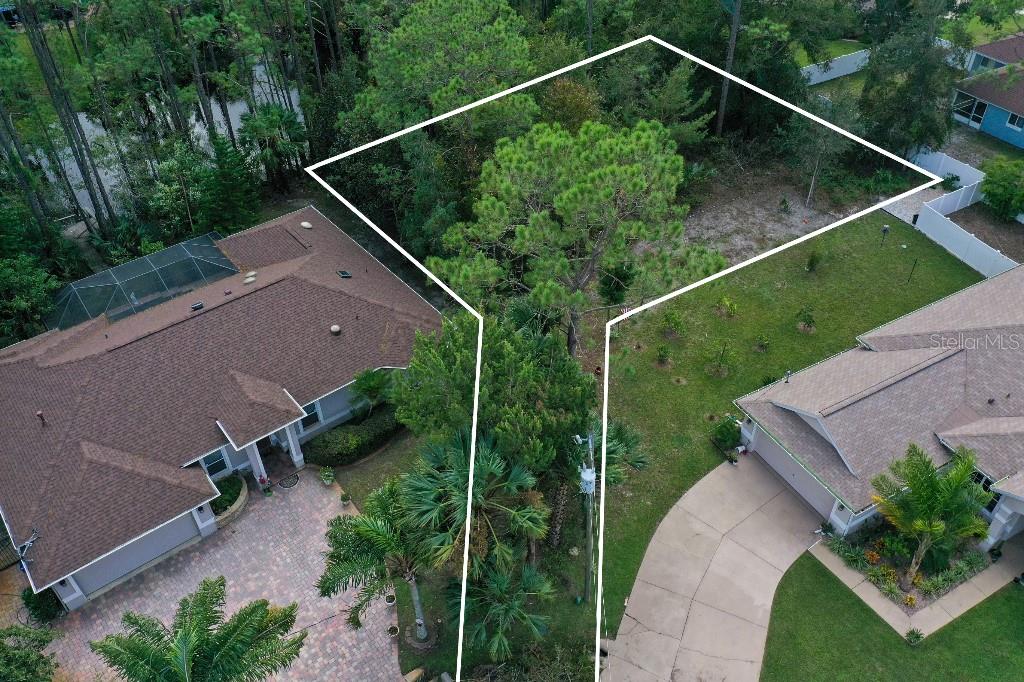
[[135, 464], [888, 381]]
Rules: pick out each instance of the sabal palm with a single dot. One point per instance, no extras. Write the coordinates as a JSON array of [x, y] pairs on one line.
[[368, 551], [934, 507], [506, 506], [200, 645], [499, 601]]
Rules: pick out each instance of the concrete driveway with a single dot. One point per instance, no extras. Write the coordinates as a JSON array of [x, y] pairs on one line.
[[700, 605], [272, 551]]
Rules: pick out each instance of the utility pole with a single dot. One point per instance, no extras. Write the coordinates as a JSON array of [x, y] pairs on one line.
[[730, 53], [588, 480]]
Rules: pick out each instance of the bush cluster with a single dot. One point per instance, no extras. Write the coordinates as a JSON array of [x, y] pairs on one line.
[[346, 443], [230, 488], [44, 607], [963, 568]]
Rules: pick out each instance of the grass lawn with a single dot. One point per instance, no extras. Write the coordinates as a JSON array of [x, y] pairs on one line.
[[821, 630], [851, 85], [857, 286], [982, 33], [833, 49]]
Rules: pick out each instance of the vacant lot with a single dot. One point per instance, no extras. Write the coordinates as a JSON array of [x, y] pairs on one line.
[[857, 285], [821, 630]]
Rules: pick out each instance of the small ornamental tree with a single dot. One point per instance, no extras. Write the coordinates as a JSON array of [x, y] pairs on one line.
[[933, 508], [1004, 186], [21, 654]]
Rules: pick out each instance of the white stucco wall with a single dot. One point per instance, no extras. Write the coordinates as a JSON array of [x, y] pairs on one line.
[[808, 487]]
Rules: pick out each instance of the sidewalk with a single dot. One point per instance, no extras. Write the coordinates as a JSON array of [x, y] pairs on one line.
[[940, 612]]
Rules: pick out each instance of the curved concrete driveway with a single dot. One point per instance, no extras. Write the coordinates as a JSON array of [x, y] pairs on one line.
[[700, 605]]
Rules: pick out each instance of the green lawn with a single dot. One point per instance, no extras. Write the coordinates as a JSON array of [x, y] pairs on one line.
[[851, 85], [833, 49], [858, 285], [981, 33], [821, 630]]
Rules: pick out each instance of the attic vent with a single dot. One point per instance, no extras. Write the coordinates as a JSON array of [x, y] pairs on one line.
[[198, 305], [344, 274], [250, 277], [306, 225], [335, 330]]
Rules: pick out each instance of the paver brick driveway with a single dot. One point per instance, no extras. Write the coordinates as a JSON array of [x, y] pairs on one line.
[[273, 551], [700, 605]]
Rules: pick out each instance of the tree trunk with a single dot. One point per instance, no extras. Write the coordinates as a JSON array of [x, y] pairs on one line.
[[734, 31], [222, 102], [814, 180], [417, 607], [907, 580], [572, 338], [13, 151], [204, 96], [316, 53], [558, 511], [532, 556]]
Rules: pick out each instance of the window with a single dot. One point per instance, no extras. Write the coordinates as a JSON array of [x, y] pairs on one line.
[[312, 417], [215, 462], [1016, 122], [986, 484]]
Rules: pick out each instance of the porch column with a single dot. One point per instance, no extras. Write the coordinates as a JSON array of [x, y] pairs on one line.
[[294, 449], [256, 462], [1004, 522]]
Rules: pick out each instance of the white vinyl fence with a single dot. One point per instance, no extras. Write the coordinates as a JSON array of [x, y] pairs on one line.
[[836, 68], [942, 165]]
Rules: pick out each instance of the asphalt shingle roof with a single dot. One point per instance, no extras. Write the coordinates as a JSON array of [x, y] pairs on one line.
[[948, 375], [130, 405]]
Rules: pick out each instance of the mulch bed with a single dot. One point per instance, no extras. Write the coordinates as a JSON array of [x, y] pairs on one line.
[[1008, 237]]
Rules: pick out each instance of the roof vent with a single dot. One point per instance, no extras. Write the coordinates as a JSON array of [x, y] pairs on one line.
[[198, 305], [250, 277], [344, 274], [306, 225], [336, 330]]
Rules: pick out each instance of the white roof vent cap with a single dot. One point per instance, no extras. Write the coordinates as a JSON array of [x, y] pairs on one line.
[[306, 225], [336, 330]]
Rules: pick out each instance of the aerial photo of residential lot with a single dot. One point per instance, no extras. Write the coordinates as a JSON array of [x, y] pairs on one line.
[[318, 362]]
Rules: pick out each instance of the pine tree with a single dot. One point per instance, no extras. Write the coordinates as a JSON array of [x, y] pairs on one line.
[[230, 194]]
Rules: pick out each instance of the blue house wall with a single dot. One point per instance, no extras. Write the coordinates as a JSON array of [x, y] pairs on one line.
[[994, 124]]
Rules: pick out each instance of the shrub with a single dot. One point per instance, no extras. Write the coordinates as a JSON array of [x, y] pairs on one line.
[[326, 475], [969, 564], [893, 545], [346, 443], [727, 307], [726, 434], [1004, 186], [763, 342], [851, 556], [230, 488], [813, 261], [663, 354], [891, 590], [950, 182], [872, 556], [910, 600], [914, 636], [672, 323], [44, 607], [805, 316]]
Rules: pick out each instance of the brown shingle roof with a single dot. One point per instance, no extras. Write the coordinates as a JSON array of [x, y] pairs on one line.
[[947, 375], [1007, 50], [127, 404], [1002, 87]]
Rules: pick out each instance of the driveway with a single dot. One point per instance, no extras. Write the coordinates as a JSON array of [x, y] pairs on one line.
[[700, 605], [272, 551]]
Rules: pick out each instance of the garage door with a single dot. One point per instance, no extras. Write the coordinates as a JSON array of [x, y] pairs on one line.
[[806, 486], [136, 554]]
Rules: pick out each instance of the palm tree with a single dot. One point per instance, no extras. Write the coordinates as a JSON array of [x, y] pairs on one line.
[[507, 508], [935, 508], [369, 551], [278, 139], [499, 602], [200, 645]]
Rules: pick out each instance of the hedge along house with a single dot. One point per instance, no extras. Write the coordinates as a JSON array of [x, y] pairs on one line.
[[946, 376], [115, 428], [992, 98]]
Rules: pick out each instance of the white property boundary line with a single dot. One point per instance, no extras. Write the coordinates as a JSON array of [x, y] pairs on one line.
[[934, 179]]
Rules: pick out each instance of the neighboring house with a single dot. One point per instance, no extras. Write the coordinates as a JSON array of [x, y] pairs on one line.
[[945, 376], [992, 98], [113, 429]]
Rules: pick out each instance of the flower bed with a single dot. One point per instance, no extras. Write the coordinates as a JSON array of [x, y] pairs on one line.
[[882, 556], [235, 495]]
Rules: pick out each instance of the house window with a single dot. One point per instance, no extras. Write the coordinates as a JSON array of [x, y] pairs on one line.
[[214, 463], [969, 109], [1016, 122], [312, 417], [986, 484]]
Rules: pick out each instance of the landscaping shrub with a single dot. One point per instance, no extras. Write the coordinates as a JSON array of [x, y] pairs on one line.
[[1004, 187], [726, 434], [346, 443], [230, 488], [44, 607], [851, 556], [969, 564]]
